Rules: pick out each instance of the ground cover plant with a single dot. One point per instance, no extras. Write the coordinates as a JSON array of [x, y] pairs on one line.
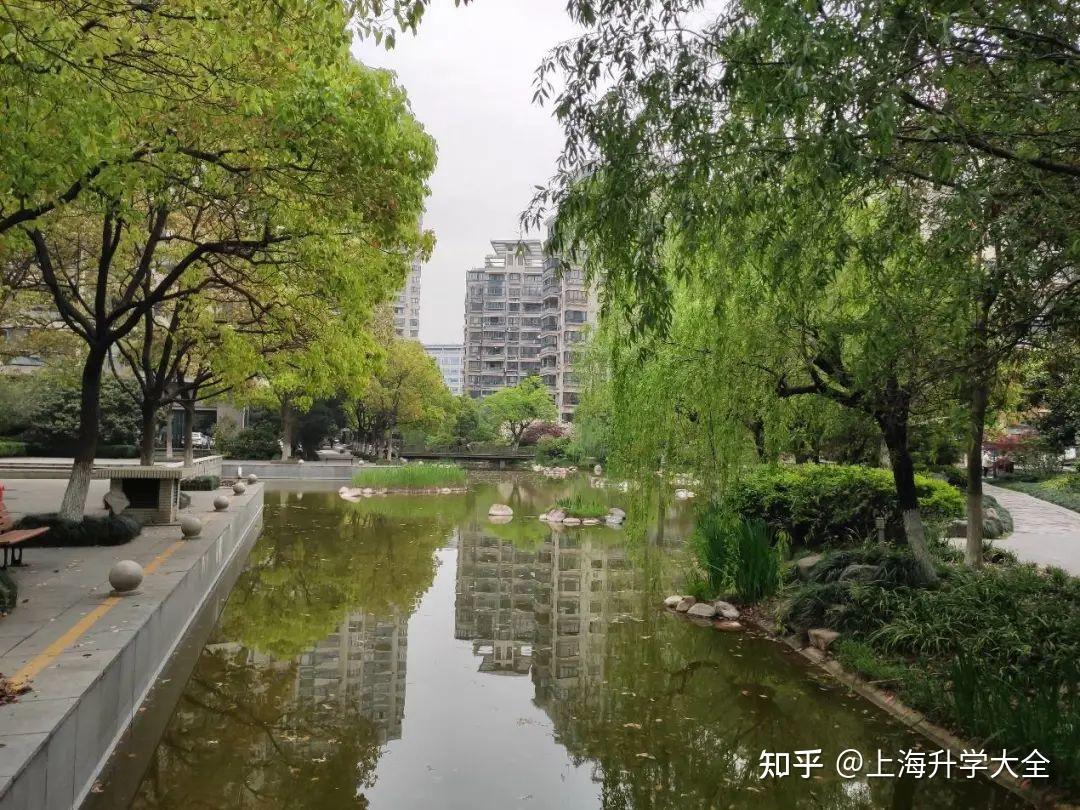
[[200, 483], [411, 476], [993, 653], [1063, 490]]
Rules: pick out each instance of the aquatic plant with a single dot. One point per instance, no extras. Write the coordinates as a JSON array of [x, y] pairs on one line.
[[583, 505], [411, 476]]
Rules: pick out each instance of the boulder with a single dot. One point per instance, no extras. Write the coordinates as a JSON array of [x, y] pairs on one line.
[[500, 510], [726, 609], [860, 572], [590, 522], [727, 625], [702, 610], [598, 470], [613, 521], [542, 516], [804, 565], [822, 637], [617, 513], [350, 493], [556, 516], [685, 604], [571, 521], [672, 601], [116, 502], [956, 528]]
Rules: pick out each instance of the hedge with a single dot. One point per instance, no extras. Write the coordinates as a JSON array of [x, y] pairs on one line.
[[818, 503], [200, 483], [110, 530], [11, 448]]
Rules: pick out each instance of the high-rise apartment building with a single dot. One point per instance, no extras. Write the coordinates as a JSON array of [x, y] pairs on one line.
[[407, 305], [503, 309], [450, 357], [525, 313], [569, 307]]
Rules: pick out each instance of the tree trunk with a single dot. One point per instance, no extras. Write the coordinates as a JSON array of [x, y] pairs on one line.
[[74, 502], [168, 435], [286, 429], [149, 428], [973, 555], [189, 428], [903, 470]]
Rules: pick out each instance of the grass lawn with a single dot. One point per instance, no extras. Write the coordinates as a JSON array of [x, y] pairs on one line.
[[1064, 489], [411, 476]]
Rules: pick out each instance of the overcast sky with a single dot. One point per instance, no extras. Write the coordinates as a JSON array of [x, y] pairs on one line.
[[469, 77]]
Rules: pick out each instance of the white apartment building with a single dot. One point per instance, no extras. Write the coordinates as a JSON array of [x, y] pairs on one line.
[[450, 357]]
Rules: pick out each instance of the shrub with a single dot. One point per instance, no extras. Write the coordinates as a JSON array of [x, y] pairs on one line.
[[540, 430], [9, 592], [1063, 490], [55, 422], [411, 476], [815, 504], [557, 450], [258, 442], [111, 530], [12, 448], [737, 555], [117, 451], [583, 505], [200, 483]]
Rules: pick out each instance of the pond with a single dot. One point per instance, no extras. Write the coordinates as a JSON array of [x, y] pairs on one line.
[[406, 653]]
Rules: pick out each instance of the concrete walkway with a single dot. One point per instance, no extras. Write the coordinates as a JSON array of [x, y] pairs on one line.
[[1043, 533]]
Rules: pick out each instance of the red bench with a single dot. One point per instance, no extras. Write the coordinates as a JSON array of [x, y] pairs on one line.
[[11, 538]]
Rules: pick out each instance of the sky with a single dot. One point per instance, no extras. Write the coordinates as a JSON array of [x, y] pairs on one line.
[[469, 76]]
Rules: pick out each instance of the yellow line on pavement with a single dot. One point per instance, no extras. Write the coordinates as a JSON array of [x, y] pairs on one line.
[[49, 654]]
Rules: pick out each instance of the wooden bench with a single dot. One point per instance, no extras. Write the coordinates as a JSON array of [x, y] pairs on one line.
[[11, 538]]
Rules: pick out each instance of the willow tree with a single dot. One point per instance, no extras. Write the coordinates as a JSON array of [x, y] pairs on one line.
[[666, 102], [295, 168]]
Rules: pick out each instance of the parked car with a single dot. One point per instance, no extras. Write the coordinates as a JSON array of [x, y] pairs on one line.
[[200, 440]]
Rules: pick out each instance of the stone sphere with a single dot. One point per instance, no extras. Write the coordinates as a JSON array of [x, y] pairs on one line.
[[125, 576], [221, 503], [239, 487], [252, 478], [190, 526]]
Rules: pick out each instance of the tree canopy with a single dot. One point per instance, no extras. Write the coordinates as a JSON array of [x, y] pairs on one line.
[[518, 406]]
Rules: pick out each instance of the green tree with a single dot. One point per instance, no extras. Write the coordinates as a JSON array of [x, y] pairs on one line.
[[230, 190], [406, 392], [518, 406], [668, 109]]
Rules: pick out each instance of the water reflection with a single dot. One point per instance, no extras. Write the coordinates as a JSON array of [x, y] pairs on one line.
[[559, 684]]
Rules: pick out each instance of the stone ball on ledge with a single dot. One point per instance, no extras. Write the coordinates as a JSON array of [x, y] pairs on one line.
[[125, 576]]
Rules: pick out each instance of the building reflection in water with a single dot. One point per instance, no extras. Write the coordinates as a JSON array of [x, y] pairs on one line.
[[360, 667]]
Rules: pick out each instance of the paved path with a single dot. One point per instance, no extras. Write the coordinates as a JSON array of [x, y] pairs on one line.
[[1044, 533]]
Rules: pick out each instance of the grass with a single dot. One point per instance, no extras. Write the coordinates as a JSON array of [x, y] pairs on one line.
[[411, 476], [1064, 489], [583, 505], [744, 556]]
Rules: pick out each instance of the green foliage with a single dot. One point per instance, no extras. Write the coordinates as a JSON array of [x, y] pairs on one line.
[[325, 418], [738, 556], [993, 651], [519, 406], [817, 503], [1015, 715], [1064, 490], [55, 421], [11, 448], [561, 450], [117, 451], [259, 441], [16, 392], [584, 504], [111, 530], [200, 483], [411, 476], [467, 423]]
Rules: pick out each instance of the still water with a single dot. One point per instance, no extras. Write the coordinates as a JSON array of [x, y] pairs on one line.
[[406, 653]]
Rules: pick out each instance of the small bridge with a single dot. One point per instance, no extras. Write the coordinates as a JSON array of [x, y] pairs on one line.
[[495, 457]]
